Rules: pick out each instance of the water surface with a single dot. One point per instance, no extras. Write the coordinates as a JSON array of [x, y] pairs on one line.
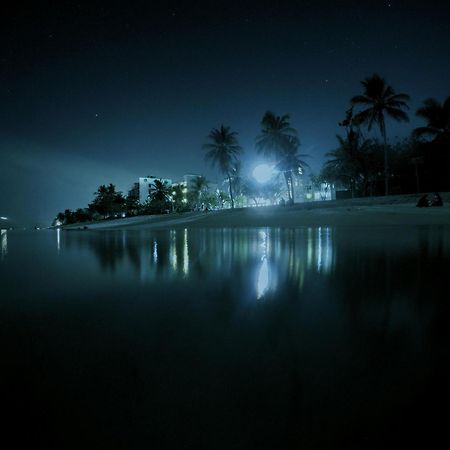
[[225, 339]]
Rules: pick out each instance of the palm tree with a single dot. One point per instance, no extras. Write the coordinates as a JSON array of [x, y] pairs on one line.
[[199, 185], [276, 135], [290, 164], [278, 139], [223, 149], [353, 163], [437, 116], [236, 178], [159, 191], [379, 100]]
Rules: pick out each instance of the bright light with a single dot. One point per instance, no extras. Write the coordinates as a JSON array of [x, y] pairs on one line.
[[4, 218], [263, 173], [262, 282]]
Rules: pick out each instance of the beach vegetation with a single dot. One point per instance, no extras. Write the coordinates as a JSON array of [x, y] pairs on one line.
[[222, 149], [378, 102]]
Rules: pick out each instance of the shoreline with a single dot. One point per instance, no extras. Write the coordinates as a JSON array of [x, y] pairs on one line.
[[399, 211]]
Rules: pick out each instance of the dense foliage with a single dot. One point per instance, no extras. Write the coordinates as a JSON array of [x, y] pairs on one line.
[[360, 163]]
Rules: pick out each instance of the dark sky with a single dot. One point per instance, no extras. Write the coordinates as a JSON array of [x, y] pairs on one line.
[[99, 92]]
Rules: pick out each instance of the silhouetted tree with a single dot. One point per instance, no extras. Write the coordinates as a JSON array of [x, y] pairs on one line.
[[353, 164], [223, 149], [69, 217], [279, 139], [437, 116], [291, 165], [257, 191], [379, 101], [180, 201], [276, 135], [199, 186], [82, 215], [60, 217], [132, 204], [160, 195], [107, 201]]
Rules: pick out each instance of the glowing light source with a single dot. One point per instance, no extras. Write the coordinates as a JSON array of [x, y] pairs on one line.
[[263, 173]]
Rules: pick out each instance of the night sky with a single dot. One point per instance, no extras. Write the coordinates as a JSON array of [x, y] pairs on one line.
[[93, 93]]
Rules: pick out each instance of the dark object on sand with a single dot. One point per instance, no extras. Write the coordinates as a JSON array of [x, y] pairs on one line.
[[437, 200], [423, 202]]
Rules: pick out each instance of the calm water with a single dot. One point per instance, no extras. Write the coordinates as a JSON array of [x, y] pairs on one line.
[[225, 339]]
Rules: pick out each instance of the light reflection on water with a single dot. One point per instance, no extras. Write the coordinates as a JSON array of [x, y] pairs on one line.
[[265, 255], [266, 335], [4, 243]]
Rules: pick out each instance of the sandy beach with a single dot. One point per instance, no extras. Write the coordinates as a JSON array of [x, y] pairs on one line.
[[381, 211]]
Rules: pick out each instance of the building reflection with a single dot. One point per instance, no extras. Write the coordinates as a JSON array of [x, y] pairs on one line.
[[3, 243], [58, 239], [259, 260]]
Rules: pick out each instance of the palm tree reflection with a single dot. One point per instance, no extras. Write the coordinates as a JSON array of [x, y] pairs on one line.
[[270, 257], [4, 243]]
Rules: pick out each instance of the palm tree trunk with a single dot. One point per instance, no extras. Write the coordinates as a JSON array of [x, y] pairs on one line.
[[231, 191], [286, 177], [417, 177], [292, 186], [366, 186], [386, 163]]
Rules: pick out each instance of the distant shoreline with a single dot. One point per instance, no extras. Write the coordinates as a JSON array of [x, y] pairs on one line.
[[371, 211]]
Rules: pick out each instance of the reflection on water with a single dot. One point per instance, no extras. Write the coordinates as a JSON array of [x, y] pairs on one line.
[[265, 255], [58, 239], [234, 338], [262, 284], [4, 243]]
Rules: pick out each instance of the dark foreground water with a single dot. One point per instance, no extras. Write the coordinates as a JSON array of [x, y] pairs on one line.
[[225, 339]]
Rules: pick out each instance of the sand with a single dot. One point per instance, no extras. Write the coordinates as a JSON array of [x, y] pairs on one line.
[[358, 212]]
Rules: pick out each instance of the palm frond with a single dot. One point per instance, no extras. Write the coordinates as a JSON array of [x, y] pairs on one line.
[[400, 98], [397, 114], [361, 100], [366, 116], [424, 131]]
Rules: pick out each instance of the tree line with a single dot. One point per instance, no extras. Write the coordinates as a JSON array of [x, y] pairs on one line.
[[360, 163], [108, 203]]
